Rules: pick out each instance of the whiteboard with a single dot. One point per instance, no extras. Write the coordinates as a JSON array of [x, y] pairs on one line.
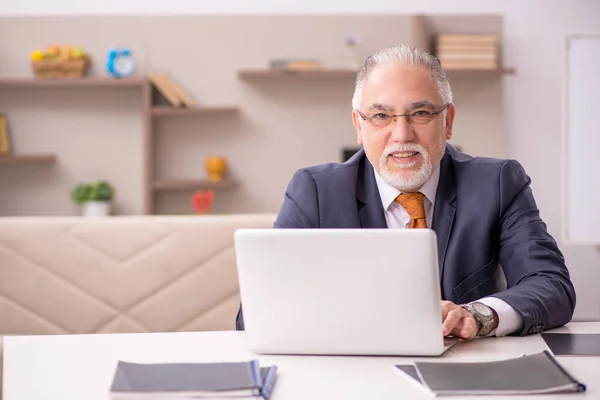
[[581, 144]]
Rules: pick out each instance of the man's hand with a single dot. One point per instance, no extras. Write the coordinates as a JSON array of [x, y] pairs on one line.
[[458, 322]]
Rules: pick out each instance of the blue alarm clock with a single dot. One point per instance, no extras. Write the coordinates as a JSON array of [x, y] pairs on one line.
[[119, 63]]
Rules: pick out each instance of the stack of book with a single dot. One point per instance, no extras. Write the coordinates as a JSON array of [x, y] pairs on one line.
[[239, 380], [296, 64], [471, 52]]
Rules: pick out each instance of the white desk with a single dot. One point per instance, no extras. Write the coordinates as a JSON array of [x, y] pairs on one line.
[[76, 367]]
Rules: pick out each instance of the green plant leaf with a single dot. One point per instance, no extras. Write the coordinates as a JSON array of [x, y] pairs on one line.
[[80, 194], [98, 191]]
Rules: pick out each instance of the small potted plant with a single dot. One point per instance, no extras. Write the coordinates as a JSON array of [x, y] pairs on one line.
[[94, 198]]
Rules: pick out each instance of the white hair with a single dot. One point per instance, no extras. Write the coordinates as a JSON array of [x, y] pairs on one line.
[[410, 56]]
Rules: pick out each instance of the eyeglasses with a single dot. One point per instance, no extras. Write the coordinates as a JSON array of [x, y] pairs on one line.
[[383, 119]]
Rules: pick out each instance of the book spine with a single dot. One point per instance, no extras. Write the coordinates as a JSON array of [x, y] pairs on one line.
[[4, 141], [269, 383], [256, 375]]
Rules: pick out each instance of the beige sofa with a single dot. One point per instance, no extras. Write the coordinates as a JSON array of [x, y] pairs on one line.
[[63, 275]]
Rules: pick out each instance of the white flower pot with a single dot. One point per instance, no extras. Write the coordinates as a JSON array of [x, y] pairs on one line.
[[96, 209]]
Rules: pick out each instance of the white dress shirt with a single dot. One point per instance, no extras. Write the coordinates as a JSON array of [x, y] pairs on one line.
[[396, 217]]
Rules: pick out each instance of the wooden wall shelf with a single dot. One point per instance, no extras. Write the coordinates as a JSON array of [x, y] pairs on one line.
[[28, 159], [181, 111], [268, 74], [456, 73], [71, 83], [184, 185]]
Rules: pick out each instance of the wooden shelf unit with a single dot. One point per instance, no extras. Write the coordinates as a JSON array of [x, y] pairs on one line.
[[157, 106], [149, 111], [417, 30], [168, 111], [187, 185], [28, 159]]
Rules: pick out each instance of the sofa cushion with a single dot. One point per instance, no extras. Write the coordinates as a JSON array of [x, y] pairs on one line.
[[120, 274]]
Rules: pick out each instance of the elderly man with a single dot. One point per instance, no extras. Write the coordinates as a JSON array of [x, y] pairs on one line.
[[407, 176]]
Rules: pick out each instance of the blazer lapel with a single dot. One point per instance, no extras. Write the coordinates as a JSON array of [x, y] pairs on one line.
[[444, 210], [368, 202]]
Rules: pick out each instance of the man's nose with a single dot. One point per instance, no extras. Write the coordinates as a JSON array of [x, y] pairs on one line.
[[401, 130]]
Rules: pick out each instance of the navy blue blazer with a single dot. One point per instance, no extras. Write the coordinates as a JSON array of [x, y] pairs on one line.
[[485, 217]]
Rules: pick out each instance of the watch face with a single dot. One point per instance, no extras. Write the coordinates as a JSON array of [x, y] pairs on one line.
[[482, 309]]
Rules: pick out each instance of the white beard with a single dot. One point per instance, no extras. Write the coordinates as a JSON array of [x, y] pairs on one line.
[[406, 181]]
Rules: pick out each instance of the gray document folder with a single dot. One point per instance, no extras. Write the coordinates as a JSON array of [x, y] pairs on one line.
[[531, 374]]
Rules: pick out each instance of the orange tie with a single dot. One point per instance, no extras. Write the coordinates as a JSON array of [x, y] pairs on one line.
[[413, 204]]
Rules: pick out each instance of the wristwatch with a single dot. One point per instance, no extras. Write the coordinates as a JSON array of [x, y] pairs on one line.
[[483, 314]]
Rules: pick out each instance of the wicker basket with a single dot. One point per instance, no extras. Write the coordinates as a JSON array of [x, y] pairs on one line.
[[61, 69]]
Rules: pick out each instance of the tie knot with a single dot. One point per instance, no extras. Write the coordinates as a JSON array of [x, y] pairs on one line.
[[413, 204]]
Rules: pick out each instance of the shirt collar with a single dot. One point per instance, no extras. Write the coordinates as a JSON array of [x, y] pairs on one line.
[[389, 193]]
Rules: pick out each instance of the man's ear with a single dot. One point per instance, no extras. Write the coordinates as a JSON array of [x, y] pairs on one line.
[[356, 121], [450, 121]]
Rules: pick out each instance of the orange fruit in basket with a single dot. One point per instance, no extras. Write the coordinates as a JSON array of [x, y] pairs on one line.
[[53, 50]]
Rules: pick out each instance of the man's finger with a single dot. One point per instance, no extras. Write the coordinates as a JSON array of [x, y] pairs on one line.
[[469, 328], [447, 306], [452, 319]]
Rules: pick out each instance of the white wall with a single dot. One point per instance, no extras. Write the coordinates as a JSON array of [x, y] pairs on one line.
[[533, 43]]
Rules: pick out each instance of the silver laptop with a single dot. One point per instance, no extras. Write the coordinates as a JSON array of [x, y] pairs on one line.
[[340, 291]]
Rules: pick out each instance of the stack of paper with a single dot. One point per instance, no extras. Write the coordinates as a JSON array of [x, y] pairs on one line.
[[240, 380], [472, 52], [531, 374]]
